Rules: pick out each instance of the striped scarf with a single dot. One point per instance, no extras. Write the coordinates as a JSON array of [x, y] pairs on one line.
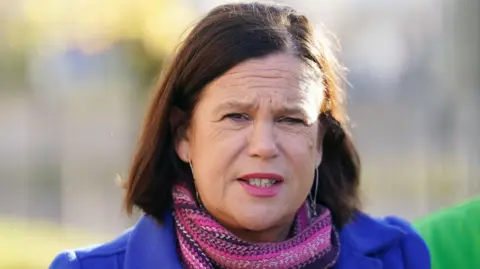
[[204, 243]]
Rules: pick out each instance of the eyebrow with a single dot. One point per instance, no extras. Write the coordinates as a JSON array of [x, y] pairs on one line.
[[234, 104], [247, 106]]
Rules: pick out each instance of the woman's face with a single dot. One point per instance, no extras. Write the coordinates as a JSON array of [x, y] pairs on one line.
[[254, 142]]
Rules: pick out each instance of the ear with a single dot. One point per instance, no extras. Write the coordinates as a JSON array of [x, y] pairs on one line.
[[321, 136], [182, 148], [179, 134], [319, 156]]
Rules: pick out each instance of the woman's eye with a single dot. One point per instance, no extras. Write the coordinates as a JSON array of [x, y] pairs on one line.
[[292, 120], [237, 116]]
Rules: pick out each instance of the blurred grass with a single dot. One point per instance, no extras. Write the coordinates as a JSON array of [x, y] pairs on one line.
[[33, 245]]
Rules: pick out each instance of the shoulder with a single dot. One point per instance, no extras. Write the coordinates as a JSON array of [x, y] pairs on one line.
[[391, 239], [452, 218], [453, 226], [414, 248], [145, 245], [99, 256]]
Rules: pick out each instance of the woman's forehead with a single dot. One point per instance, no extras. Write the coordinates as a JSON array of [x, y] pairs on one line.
[[278, 65], [280, 75]]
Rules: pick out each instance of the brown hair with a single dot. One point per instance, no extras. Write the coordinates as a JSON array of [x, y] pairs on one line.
[[225, 37]]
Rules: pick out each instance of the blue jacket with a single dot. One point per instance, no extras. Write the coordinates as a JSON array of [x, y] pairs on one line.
[[366, 243]]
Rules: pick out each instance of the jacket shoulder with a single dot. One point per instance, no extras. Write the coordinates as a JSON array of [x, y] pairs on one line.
[[457, 226], [105, 256], [413, 246], [391, 240]]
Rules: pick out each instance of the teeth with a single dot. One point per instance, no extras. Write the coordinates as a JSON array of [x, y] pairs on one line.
[[261, 182]]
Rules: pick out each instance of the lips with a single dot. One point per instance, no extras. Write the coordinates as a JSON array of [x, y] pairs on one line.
[[271, 176], [261, 184], [262, 179]]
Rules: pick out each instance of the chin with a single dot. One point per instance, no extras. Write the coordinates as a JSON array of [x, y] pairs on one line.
[[258, 220], [257, 224]]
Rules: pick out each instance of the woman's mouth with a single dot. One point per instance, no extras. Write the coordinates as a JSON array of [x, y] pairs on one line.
[[261, 184]]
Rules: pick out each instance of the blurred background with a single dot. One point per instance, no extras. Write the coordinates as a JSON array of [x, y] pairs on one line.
[[75, 77]]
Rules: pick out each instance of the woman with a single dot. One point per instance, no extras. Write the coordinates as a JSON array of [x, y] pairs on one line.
[[244, 161]]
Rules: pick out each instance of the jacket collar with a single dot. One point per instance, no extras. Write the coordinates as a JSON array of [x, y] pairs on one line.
[[363, 239], [153, 245]]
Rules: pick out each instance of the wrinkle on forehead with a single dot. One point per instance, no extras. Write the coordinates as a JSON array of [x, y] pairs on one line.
[[276, 66], [285, 67], [279, 79]]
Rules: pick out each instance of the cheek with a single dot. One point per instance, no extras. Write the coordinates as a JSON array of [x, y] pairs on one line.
[[300, 141], [213, 152], [216, 145], [301, 150]]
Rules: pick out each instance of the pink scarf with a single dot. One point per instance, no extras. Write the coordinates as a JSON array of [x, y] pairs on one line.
[[204, 243]]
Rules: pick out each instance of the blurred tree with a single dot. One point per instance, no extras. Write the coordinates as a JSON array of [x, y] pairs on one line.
[[95, 25], [12, 69], [61, 51], [148, 29], [461, 69]]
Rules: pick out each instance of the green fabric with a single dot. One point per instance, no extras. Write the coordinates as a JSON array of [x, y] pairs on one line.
[[453, 236]]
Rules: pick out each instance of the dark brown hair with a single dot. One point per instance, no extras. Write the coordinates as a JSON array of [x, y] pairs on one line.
[[225, 37]]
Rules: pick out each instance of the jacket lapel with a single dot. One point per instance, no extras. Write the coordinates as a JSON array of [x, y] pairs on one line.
[[152, 245]]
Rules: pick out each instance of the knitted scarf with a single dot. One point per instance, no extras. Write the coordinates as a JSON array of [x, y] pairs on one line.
[[204, 243]]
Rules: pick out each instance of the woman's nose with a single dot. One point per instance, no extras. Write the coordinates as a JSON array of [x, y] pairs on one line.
[[263, 142]]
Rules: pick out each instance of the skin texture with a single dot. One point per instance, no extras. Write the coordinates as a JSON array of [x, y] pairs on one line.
[[260, 116]]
